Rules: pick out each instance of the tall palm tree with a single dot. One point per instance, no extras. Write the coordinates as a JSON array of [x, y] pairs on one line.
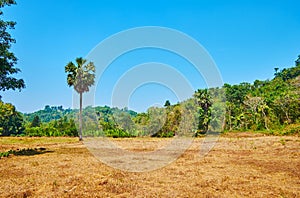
[[81, 76]]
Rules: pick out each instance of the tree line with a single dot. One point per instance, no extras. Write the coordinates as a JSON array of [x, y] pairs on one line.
[[270, 106]]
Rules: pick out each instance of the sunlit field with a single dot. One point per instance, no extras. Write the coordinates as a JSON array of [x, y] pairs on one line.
[[240, 164]]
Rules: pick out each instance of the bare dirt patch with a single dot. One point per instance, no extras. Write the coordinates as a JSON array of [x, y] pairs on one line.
[[238, 166]]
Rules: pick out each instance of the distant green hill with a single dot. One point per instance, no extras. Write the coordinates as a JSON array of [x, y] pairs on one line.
[[49, 113]]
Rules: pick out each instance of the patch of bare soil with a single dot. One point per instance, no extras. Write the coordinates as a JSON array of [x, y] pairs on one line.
[[238, 166]]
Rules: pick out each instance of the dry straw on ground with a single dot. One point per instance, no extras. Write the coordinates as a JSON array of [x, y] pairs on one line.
[[240, 165]]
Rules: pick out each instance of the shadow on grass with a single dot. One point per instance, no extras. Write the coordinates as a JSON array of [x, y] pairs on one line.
[[29, 151], [25, 152]]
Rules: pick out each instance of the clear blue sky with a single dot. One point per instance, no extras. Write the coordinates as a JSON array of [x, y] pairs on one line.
[[247, 39]]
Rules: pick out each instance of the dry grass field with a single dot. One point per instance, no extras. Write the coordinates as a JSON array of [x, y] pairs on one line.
[[240, 165]]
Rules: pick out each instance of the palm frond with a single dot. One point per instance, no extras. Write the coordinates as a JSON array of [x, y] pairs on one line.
[[80, 62], [70, 68]]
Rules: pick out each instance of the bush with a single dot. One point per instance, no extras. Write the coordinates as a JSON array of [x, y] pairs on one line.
[[62, 127], [164, 134], [291, 129], [42, 131], [33, 132], [117, 133]]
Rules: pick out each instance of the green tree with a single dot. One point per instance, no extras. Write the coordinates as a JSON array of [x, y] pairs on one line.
[[157, 119], [237, 93], [204, 102], [258, 112], [11, 121], [124, 121], [141, 122], [287, 105], [7, 58], [36, 122], [276, 71], [167, 103], [81, 76], [290, 73], [189, 118], [173, 120], [297, 62]]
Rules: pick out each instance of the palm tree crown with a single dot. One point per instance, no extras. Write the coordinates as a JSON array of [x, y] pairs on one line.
[[82, 76]]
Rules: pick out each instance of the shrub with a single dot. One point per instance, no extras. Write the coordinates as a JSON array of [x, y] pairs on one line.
[[33, 132], [291, 129], [164, 134], [117, 133]]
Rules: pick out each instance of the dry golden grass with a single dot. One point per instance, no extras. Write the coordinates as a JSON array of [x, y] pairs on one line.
[[238, 166]]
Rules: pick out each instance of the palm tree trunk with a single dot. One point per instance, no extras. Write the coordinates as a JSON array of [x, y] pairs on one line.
[[80, 118]]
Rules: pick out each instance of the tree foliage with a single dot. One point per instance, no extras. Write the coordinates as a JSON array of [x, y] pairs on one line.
[[265, 105], [204, 103], [36, 122], [11, 121], [61, 127], [7, 58], [270, 105], [81, 76]]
